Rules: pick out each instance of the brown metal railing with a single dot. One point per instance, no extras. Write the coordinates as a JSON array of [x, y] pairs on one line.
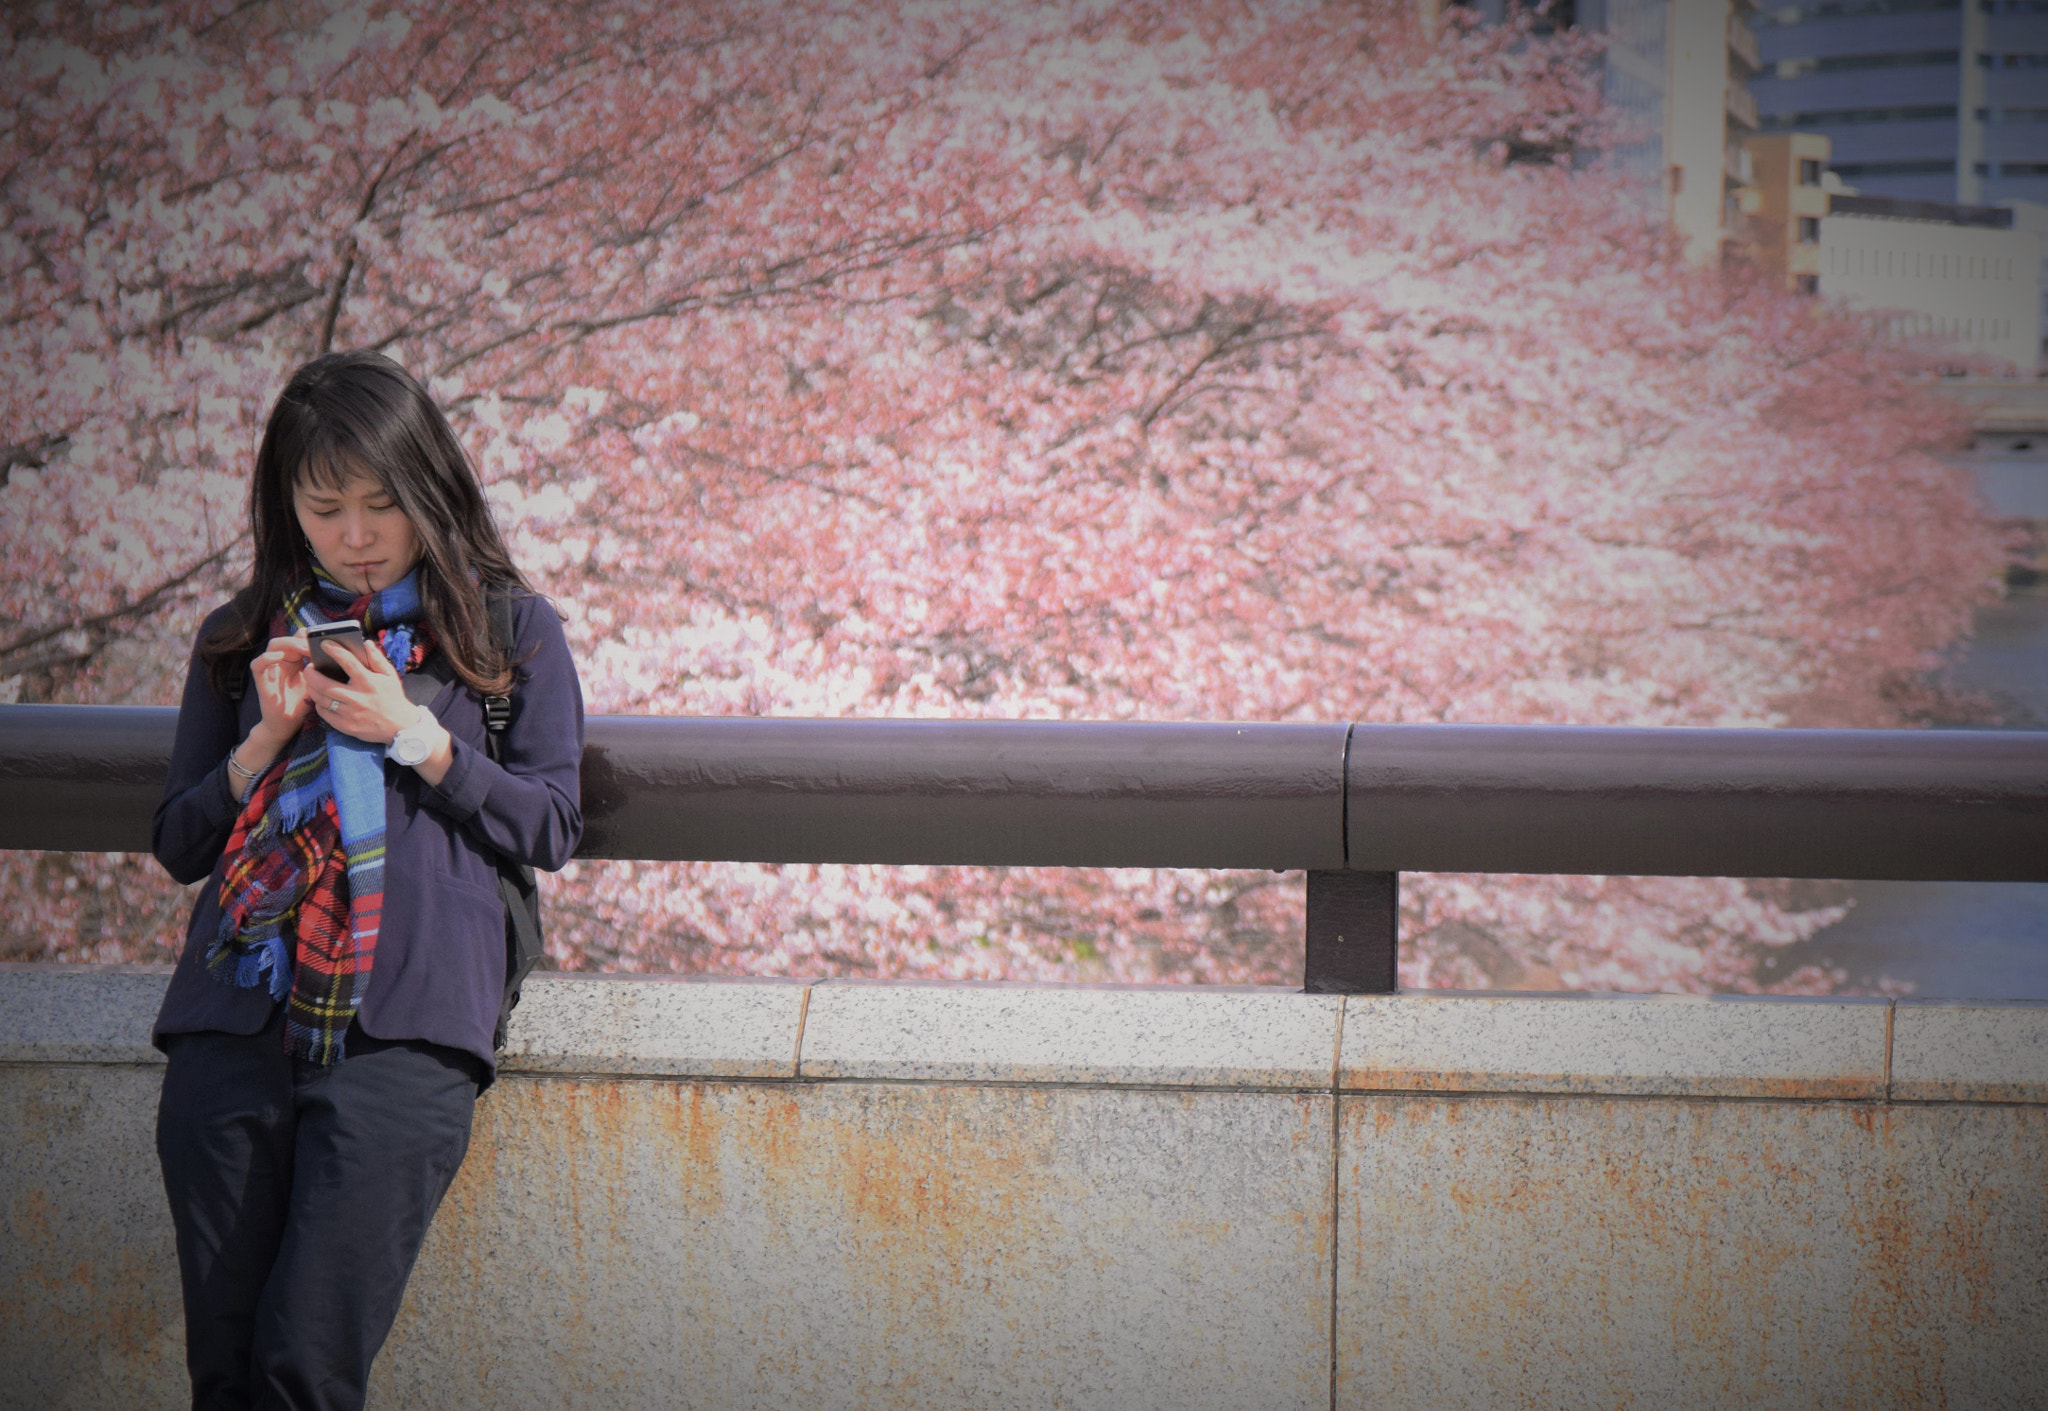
[[1352, 805]]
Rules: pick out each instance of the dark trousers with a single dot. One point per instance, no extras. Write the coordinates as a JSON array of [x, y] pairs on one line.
[[300, 1195]]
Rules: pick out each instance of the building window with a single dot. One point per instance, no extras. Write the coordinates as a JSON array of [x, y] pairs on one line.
[[1846, 63], [1840, 9], [1853, 117], [1809, 230], [1806, 284], [1853, 170], [1809, 171]]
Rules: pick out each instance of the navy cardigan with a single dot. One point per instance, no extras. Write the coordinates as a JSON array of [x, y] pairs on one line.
[[439, 973]]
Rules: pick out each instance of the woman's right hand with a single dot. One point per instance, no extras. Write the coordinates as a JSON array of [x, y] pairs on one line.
[[281, 689]]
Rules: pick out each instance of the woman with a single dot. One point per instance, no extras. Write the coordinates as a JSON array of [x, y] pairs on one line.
[[329, 1024]]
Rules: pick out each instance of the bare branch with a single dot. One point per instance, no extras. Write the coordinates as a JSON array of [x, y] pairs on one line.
[[98, 622], [32, 454]]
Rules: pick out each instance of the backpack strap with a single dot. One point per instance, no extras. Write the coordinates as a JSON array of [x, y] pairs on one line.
[[498, 709], [525, 942], [425, 681]]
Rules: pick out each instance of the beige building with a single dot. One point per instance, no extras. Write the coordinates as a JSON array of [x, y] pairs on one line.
[[1962, 277], [1708, 115], [1788, 179], [1966, 277]]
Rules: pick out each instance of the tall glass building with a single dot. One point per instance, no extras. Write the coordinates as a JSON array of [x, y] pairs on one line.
[[1675, 73], [1634, 80], [1943, 100]]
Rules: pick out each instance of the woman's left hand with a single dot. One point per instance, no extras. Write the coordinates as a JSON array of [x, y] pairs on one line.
[[371, 704]]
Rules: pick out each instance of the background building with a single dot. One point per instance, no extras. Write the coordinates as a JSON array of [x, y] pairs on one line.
[[1635, 80], [1972, 277], [1962, 276], [1931, 99], [1678, 71], [1708, 114], [2033, 216], [1790, 181]]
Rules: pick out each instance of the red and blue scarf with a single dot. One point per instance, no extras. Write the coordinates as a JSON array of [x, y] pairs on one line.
[[303, 890]]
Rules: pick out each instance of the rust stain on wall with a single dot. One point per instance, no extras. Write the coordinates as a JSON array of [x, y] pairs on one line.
[[917, 1240], [1700, 1252]]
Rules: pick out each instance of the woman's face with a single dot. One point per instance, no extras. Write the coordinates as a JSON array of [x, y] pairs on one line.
[[358, 532]]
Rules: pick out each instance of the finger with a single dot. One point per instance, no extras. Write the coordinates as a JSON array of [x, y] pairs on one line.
[[350, 662], [290, 647], [281, 666], [270, 671]]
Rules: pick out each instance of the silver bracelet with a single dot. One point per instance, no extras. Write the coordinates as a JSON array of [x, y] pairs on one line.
[[250, 776]]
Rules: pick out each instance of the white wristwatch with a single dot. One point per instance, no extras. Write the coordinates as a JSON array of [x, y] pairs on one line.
[[415, 742]]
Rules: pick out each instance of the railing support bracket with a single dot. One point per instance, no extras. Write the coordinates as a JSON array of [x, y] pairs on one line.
[[1353, 933]]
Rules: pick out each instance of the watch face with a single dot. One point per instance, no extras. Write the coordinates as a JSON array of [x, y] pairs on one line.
[[408, 749]]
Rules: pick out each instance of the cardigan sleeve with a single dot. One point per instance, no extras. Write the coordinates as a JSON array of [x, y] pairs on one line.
[[199, 804], [527, 805]]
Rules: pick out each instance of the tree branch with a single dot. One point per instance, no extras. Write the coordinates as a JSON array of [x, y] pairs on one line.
[[97, 622], [348, 259], [34, 453]]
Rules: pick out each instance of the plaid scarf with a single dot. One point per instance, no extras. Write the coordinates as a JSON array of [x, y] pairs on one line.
[[306, 854]]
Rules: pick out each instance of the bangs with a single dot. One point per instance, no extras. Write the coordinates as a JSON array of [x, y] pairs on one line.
[[331, 469]]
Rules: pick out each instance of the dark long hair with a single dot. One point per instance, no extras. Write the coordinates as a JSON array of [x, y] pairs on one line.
[[349, 414]]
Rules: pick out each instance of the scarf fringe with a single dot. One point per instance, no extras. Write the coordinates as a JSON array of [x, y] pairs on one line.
[[294, 812], [265, 962]]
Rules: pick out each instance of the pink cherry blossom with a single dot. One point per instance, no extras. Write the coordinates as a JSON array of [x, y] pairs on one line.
[[1074, 360]]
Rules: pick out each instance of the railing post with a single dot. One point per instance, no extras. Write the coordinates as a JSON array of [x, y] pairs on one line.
[[1353, 932]]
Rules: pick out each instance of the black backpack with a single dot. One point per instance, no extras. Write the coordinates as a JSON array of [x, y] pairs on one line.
[[524, 943]]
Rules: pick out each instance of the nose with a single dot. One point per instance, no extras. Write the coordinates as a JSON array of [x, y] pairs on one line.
[[356, 532]]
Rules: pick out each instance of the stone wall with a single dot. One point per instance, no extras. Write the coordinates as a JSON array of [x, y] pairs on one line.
[[780, 1194]]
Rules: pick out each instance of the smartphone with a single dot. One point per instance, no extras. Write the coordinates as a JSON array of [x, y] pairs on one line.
[[348, 632]]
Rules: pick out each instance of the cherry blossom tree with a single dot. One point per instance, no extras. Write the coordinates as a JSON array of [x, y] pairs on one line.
[[1081, 360]]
